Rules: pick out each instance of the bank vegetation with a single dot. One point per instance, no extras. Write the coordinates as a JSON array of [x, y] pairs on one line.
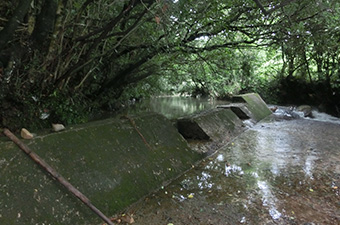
[[63, 61]]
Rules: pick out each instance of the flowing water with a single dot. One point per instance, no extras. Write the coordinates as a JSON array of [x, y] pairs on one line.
[[283, 170]]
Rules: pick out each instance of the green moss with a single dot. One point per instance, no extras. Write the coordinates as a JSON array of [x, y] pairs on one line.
[[255, 104], [107, 160]]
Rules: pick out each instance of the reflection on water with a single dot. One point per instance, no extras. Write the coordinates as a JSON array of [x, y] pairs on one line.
[[309, 165], [233, 169], [174, 107], [268, 199], [203, 181], [277, 172]]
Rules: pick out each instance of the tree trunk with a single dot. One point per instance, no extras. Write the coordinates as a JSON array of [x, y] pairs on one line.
[[44, 26], [9, 29], [290, 65]]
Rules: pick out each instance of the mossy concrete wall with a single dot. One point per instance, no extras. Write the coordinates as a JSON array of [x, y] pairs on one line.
[[215, 126], [254, 103], [113, 162], [240, 109]]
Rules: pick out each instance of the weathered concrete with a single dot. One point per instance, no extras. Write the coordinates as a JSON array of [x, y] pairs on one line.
[[240, 109], [217, 126], [254, 103], [113, 162]]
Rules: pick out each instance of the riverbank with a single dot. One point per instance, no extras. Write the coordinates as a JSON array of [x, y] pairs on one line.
[[113, 162]]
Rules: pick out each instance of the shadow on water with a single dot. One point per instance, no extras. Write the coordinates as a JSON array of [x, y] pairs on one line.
[[277, 172]]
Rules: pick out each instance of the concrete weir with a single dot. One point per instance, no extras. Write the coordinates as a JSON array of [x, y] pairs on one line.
[[217, 126], [211, 129], [254, 104], [114, 162]]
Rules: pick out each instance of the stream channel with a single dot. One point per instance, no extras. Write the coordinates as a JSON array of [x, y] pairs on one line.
[[282, 170]]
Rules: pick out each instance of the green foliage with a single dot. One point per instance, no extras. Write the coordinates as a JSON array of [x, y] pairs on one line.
[[65, 109], [102, 52]]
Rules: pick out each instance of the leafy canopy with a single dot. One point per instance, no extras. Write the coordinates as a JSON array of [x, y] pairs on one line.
[[84, 55]]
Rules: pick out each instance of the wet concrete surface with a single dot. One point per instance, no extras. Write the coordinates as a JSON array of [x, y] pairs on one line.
[[113, 162], [277, 172]]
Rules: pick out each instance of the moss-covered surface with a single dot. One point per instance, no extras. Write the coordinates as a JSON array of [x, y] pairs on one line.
[[240, 109], [255, 104], [218, 125], [113, 162], [215, 123]]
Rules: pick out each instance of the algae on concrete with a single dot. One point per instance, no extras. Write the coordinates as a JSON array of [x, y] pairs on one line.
[[218, 126], [113, 162], [255, 104], [240, 109]]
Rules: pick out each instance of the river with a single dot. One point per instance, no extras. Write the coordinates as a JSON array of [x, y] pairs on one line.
[[283, 170], [174, 107]]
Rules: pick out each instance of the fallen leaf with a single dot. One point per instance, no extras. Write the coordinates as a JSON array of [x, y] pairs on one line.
[[190, 196], [123, 218], [127, 219]]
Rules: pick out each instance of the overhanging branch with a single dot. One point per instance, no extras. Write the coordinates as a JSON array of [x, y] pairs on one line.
[[192, 49], [265, 12]]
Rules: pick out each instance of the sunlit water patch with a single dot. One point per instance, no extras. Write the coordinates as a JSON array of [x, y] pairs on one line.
[[233, 169], [277, 172], [268, 199]]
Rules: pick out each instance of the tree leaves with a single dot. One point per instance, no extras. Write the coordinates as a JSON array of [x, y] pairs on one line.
[[99, 48]]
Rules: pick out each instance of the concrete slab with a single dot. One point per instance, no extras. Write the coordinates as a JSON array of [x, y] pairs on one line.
[[254, 104], [113, 162], [240, 109], [215, 126]]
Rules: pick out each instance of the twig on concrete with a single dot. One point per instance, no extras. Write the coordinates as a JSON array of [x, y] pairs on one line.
[[56, 175]]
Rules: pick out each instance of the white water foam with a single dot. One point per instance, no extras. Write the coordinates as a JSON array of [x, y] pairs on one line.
[[292, 113], [324, 117]]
